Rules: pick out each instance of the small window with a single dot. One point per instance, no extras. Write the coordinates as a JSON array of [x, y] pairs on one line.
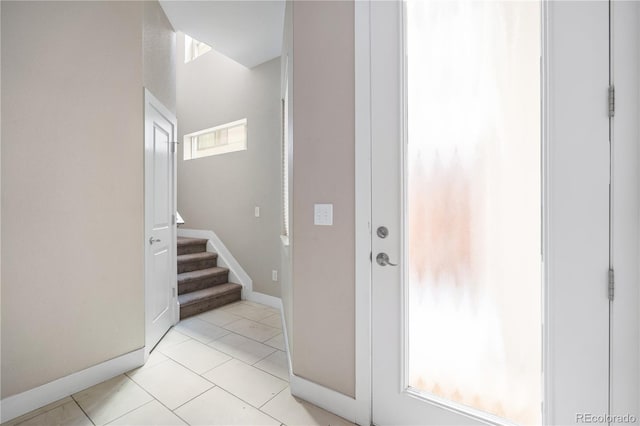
[[194, 48], [222, 139]]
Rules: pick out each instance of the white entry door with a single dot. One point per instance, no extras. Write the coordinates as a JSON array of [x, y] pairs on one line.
[[490, 212], [160, 227]]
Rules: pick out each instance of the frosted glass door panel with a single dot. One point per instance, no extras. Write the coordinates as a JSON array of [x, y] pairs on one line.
[[473, 205]]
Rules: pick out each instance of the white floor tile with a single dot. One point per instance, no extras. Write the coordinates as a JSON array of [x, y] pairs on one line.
[[242, 348], [218, 317], [236, 304], [253, 330], [272, 310], [276, 364], [250, 303], [152, 413], [155, 358], [246, 382], [196, 356], [250, 312], [277, 342], [173, 337], [295, 412], [68, 414], [274, 321], [217, 407], [200, 330], [172, 384], [111, 399]]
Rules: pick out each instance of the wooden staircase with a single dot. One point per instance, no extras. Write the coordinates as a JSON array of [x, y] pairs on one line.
[[202, 284]]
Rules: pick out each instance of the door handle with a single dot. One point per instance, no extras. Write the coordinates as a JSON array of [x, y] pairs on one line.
[[383, 260], [153, 240]]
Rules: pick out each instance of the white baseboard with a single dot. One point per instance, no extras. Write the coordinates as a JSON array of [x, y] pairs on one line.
[[22, 403], [265, 299], [328, 399], [287, 348]]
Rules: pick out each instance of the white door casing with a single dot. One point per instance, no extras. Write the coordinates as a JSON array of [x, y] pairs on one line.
[[161, 310], [575, 216], [625, 323]]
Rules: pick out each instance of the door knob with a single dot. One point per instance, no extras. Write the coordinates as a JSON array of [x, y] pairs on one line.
[[383, 260], [153, 240]]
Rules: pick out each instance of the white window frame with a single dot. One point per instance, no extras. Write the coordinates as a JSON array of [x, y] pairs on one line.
[[191, 50], [191, 151]]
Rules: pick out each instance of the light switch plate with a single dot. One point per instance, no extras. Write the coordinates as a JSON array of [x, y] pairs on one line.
[[323, 214]]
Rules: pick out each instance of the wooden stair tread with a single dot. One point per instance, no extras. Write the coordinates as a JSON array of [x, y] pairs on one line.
[[186, 277], [207, 293], [184, 241], [185, 258]]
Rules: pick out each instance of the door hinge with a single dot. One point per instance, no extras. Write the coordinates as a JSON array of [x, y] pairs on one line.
[[173, 219], [612, 283], [173, 292], [612, 101], [174, 145]]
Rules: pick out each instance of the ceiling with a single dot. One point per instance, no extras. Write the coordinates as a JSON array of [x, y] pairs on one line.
[[249, 32]]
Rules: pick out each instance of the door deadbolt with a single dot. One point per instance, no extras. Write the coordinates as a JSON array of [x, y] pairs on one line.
[[382, 232]]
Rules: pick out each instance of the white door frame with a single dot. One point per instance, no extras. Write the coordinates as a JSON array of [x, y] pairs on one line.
[[363, 211], [625, 375], [625, 322], [150, 101]]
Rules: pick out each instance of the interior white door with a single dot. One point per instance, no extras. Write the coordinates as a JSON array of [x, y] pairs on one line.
[[160, 227], [490, 173]]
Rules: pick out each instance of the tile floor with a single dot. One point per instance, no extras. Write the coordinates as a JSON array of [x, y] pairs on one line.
[[222, 367]]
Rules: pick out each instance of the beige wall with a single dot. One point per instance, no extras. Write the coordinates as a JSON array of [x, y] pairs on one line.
[[324, 172], [220, 192], [159, 55], [72, 187]]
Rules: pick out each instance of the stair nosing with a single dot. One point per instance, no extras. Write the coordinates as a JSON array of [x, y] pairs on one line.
[[232, 287], [193, 257], [187, 241], [187, 277]]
